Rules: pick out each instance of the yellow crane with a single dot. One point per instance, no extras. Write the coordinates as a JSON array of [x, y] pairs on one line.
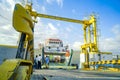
[[89, 45], [21, 67]]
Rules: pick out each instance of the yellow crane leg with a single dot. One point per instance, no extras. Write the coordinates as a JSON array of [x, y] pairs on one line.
[[15, 69]]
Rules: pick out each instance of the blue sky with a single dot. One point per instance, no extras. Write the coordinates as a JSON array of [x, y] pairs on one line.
[[107, 13]]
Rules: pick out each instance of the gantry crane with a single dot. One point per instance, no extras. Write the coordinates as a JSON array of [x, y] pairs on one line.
[[89, 26], [90, 45], [24, 23]]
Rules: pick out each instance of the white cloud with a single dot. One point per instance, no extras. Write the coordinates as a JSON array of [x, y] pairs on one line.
[[69, 29], [76, 45], [39, 8], [107, 44], [8, 35], [50, 25], [49, 1], [111, 43], [11, 2], [44, 31], [116, 29], [43, 9], [58, 24], [52, 31], [59, 2]]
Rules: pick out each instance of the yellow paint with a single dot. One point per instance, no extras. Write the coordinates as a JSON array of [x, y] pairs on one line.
[[113, 69], [7, 68], [118, 62], [114, 61], [88, 44], [108, 62], [92, 46], [99, 62], [22, 20], [105, 52], [11, 66]]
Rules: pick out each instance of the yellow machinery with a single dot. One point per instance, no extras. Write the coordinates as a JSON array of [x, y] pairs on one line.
[[23, 23], [103, 64], [21, 67], [90, 45]]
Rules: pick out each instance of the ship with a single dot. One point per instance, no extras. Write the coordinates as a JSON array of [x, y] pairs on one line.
[[55, 49]]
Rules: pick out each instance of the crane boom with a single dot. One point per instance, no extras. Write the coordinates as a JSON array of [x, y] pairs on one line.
[[60, 18], [57, 18]]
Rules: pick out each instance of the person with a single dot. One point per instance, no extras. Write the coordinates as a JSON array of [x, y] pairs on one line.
[[36, 62], [47, 62], [39, 59]]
